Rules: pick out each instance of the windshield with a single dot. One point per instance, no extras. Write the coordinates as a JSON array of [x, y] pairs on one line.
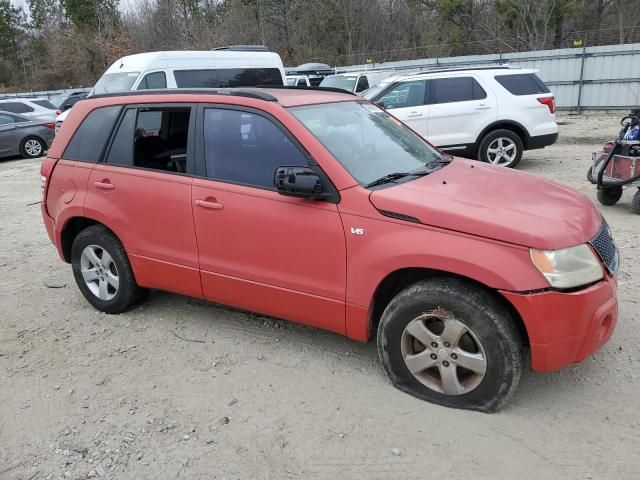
[[339, 81], [115, 82], [366, 140]]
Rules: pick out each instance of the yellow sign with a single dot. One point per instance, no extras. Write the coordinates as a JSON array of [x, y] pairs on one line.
[[577, 42]]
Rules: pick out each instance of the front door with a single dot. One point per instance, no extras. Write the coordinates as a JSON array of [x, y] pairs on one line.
[[406, 101], [259, 250]]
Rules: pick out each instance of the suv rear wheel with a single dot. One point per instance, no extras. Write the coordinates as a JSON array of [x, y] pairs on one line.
[[501, 147], [102, 270], [451, 343]]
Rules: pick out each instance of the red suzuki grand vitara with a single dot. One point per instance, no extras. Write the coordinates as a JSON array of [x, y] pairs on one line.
[[321, 208]]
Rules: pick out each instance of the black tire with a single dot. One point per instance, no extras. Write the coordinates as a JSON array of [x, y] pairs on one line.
[[609, 195], [489, 138], [27, 151], [479, 311], [635, 202], [128, 292]]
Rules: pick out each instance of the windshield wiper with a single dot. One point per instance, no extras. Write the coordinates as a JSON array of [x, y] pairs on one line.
[[397, 175]]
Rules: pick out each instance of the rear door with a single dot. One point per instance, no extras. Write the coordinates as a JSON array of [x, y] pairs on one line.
[[142, 191], [407, 102], [259, 250], [460, 108]]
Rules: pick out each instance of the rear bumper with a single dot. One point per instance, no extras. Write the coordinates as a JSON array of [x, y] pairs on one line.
[[566, 328], [541, 141]]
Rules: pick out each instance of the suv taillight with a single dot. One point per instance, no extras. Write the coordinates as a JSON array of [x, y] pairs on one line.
[[46, 167], [549, 102]]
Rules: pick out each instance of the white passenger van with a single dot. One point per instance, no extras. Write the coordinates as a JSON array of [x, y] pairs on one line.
[[226, 67]]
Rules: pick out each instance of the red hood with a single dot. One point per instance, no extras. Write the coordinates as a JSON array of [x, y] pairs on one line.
[[495, 202]]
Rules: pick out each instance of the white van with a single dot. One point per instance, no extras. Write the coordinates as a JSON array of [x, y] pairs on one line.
[[226, 67], [355, 82]]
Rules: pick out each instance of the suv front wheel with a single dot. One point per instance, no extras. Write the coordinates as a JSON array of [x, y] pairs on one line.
[[450, 342], [501, 147]]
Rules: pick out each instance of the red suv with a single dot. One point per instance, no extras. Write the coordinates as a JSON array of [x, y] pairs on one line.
[[321, 208]]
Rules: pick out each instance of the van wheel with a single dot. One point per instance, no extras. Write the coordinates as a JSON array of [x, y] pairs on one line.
[[32, 147], [449, 342], [103, 272], [609, 195], [501, 147]]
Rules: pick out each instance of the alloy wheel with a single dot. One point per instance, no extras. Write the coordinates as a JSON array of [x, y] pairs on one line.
[[443, 353], [502, 151], [33, 148], [99, 272]]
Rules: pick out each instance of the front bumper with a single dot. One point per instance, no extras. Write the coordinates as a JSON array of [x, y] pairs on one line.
[[565, 328]]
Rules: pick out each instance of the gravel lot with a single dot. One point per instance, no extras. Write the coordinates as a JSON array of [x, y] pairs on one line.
[[184, 389]]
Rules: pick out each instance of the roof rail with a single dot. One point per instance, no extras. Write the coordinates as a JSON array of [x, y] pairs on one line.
[[244, 48], [236, 92], [307, 87]]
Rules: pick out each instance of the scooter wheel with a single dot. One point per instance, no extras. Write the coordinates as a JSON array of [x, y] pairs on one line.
[[610, 195], [635, 202]]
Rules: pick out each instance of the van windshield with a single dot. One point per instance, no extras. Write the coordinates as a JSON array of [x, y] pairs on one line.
[[115, 82], [339, 81]]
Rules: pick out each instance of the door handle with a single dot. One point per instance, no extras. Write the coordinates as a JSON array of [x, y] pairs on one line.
[[105, 185], [415, 114], [482, 106], [211, 205]]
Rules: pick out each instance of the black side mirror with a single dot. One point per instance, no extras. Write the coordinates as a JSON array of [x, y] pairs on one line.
[[299, 182]]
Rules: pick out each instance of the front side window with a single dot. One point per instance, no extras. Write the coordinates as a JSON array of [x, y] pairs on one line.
[[456, 89], [153, 138], [406, 94], [115, 82], [228, 77], [153, 81], [89, 140], [15, 107], [246, 148], [365, 139]]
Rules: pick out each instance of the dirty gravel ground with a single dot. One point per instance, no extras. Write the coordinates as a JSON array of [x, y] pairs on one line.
[[179, 388]]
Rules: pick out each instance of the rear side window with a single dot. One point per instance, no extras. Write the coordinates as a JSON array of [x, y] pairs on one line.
[[246, 148], [15, 107], [153, 80], [228, 77], [45, 104], [456, 89], [152, 138], [91, 137], [522, 84], [6, 119]]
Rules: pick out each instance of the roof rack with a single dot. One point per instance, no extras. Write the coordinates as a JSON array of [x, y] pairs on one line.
[[308, 87], [236, 92], [244, 48]]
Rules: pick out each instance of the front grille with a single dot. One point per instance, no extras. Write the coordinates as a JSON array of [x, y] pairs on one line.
[[605, 246]]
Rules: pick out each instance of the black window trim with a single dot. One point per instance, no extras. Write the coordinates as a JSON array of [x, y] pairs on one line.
[[200, 149], [155, 106], [432, 91], [102, 155]]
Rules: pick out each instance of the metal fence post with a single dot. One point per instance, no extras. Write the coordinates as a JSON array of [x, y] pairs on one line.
[[581, 80]]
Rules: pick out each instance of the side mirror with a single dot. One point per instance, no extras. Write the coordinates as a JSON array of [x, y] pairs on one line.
[[299, 182]]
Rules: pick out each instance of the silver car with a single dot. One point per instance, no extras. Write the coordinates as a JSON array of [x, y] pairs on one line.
[[34, 108], [22, 136]]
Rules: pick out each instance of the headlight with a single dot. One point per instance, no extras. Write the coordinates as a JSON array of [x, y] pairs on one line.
[[568, 267]]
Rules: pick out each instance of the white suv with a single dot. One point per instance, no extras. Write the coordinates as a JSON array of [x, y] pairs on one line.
[[492, 114]]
